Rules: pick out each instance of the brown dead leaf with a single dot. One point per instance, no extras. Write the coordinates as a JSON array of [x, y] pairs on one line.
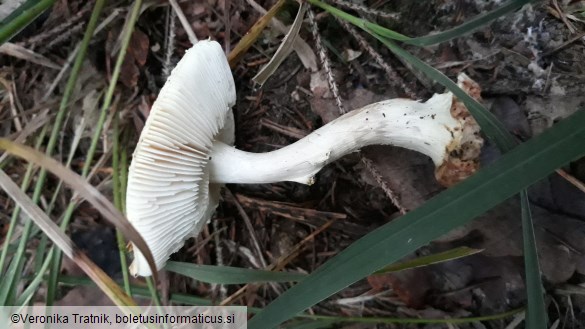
[[138, 47], [135, 58], [129, 73], [411, 286], [380, 282]]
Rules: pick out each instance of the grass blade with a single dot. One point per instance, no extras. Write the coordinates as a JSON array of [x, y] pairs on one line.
[[505, 141], [385, 320], [22, 17], [12, 275], [90, 193], [109, 287], [469, 26], [55, 133], [513, 172], [118, 201], [361, 23], [125, 40], [14, 218], [248, 40], [315, 320], [428, 40], [286, 47], [230, 275], [536, 316], [437, 258]]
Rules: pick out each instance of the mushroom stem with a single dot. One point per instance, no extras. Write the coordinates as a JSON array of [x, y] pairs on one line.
[[427, 127]]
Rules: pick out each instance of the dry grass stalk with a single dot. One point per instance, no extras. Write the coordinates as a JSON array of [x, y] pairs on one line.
[[325, 61]]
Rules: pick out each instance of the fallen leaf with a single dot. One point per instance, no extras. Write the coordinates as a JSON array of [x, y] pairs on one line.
[[135, 59], [411, 286]]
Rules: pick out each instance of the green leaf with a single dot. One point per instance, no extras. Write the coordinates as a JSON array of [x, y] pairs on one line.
[[469, 26], [361, 23], [454, 207], [21, 17], [437, 258], [310, 324], [328, 319], [536, 316], [230, 275], [428, 40], [304, 320]]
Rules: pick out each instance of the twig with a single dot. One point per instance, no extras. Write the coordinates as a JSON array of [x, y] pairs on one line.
[[305, 216], [65, 36], [59, 30], [253, 236], [184, 21], [249, 226], [282, 261], [563, 18], [13, 108], [285, 130], [571, 179]]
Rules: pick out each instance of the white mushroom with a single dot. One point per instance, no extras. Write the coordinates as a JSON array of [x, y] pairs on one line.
[[185, 152], [169, 196]]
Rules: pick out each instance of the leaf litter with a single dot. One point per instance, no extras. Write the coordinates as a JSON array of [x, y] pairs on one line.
[[522, 62]]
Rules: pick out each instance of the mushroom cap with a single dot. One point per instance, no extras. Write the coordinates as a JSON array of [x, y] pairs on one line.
[[169, 197]]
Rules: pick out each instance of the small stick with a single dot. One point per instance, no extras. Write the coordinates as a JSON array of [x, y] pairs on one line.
[[282, 261], [285, 130], [249, 226], [184, 21], [571, 179]]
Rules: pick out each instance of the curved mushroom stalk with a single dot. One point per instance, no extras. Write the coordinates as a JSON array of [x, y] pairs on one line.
[[184, 154], [440, 128]]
